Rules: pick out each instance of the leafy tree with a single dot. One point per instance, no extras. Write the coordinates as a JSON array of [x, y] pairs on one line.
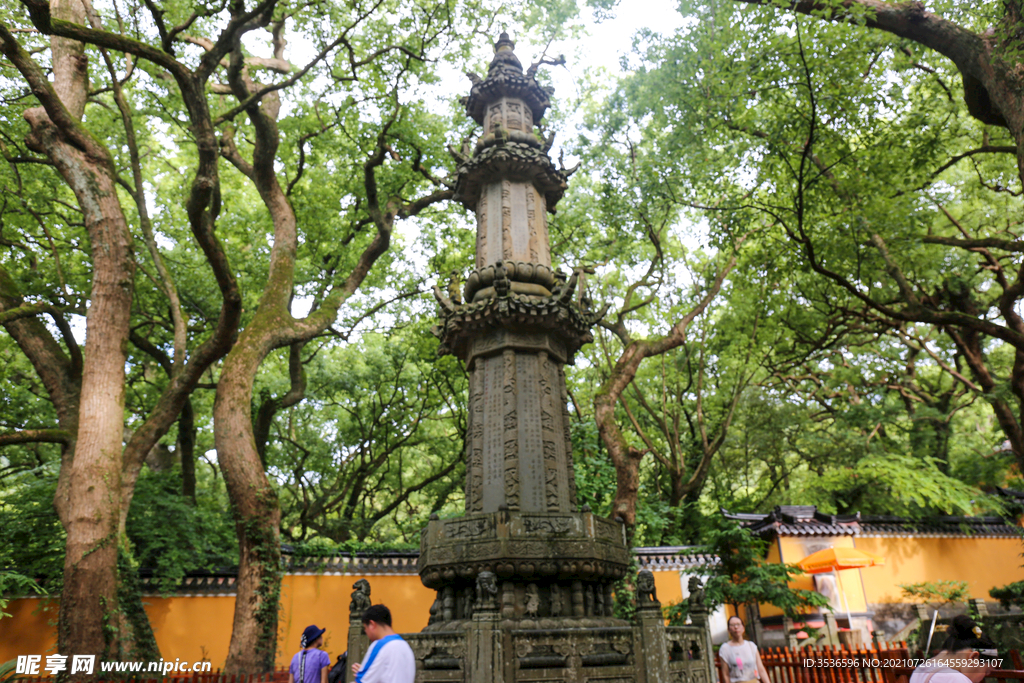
[[184, 77], [377, 446], [973, 295], [1010, 595], [201, 537], [744, 124], [742, 576], [13, 582]]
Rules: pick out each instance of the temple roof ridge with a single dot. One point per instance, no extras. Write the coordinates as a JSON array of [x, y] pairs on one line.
[[807, 520]]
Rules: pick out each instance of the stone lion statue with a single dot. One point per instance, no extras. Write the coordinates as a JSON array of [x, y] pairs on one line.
[[645, 590], [360, 598], [696, 589]]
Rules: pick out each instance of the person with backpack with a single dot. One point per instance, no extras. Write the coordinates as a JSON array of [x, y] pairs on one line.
[[310, 664]]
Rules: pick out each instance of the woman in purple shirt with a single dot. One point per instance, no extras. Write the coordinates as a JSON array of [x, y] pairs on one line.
[[310, 664]]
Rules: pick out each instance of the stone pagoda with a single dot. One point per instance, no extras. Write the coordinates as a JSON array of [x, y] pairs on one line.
[[517, 323], [524, 578]]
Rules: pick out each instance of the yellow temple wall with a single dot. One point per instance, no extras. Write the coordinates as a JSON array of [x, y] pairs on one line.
[[194, 628], [983, 563]]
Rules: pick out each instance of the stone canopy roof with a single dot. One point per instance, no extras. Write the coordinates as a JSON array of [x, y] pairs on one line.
[[807, 520]]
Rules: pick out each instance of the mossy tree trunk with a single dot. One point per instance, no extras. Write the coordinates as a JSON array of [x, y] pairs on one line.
[[98, 472], [254, 502]]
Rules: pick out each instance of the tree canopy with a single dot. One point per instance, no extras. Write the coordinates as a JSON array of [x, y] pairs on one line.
[[219, 224]]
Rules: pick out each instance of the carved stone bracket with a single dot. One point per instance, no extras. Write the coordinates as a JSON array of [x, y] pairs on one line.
[[517, 161], [557, 315]]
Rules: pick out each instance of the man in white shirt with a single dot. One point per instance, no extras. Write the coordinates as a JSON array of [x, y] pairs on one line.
[[389, 658]]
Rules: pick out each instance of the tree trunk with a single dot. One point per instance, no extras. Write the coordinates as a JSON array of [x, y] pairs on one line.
[[89, 600], [89, 495], [624, 457], [187, 451], [254, 504]]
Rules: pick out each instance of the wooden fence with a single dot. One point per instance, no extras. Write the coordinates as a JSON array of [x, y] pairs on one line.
[[888, 663]]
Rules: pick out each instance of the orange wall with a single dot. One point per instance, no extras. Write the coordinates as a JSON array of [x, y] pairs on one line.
[[30, 630], [669, 588], [323, 600], [197, 628], [983, 562]]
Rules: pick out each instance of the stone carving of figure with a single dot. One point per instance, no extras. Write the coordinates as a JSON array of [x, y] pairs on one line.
[[588, 600], [598, 602], [486, 590], [453, 288], [645, 590], [556, 600], [360, 599], [532, 600]]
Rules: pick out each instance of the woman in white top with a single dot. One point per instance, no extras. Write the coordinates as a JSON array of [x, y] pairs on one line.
[[967, 656], [741, 662]]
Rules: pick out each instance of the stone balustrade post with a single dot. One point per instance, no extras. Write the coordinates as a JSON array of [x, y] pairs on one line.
[[357, 645], [652, 647]]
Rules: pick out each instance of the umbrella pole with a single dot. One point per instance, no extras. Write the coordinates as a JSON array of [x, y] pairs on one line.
[[842, 591]]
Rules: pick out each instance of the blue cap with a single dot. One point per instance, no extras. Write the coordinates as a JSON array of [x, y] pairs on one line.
[[310, 635]]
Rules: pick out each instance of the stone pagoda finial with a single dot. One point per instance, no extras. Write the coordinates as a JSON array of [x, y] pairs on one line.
[[504, 57]]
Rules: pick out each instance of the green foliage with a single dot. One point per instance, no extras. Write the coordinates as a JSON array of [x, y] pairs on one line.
[[325, 547], [376, 446], [741, 574], [1006, 631], [1010, 595], [677, 613], [13, 583], [595, 473], [937, 593], [7, 670], [849, 408], [201, 537], [31, 537], [625, 592]]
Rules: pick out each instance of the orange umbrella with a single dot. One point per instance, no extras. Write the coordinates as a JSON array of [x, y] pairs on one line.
[[837, 559]]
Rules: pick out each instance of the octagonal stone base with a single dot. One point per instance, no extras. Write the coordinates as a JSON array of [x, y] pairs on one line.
[[522, 546]]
